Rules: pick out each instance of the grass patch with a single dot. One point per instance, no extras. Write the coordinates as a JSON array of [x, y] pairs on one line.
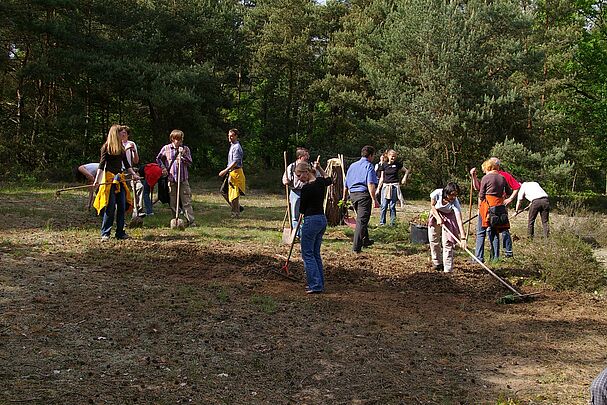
[[265, 303]]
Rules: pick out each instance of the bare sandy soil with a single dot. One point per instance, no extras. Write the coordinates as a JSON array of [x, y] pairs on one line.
[[198, 317]]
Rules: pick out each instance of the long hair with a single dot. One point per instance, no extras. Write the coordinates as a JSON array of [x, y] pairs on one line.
[[113, 143]]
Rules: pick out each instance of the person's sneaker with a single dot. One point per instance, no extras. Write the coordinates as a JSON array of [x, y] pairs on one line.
[[192, 225], [313, 291], [149, 214], [438, 267], [368, 243], [105, 238], [142, 215], [123, 237]]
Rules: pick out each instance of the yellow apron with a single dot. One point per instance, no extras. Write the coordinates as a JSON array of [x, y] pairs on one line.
[[236, 184], [103, 194]]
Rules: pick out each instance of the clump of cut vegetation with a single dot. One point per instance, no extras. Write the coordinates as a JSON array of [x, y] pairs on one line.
[[566, 262]]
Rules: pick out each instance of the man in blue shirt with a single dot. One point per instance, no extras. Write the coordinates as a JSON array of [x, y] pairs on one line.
[[361, 182]]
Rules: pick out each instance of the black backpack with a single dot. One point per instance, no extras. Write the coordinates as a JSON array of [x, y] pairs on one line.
[[164, 196]]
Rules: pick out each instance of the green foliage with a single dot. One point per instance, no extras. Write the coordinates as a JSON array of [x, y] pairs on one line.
[[550, 168], [441, 81], [448, 90], [567, 263]]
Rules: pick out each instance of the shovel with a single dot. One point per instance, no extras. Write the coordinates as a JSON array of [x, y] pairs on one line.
[[284, 270], [177, 223], [351, 222], [136, 220], [286, 231]]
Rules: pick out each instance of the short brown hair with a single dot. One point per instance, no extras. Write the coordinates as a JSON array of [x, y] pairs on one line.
[[176, 134], [125, 128]]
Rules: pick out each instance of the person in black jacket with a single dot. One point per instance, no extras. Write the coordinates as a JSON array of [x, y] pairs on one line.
[[314, 222]]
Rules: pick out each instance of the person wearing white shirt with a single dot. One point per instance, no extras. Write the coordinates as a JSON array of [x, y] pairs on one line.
[[538, 198], [132, 155]]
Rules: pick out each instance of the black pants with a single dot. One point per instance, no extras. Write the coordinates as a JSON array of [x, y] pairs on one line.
[[362, 204], [539, 206]]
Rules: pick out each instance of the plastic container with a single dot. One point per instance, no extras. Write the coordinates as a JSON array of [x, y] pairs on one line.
[[419, 234]]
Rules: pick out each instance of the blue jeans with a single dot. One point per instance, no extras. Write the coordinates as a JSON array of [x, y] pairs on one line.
[[494, 241], [147, 197], [312, 231], [115, 205], [385, 203]]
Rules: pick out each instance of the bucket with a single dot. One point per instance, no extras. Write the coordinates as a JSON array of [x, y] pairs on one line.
[[419, 234]]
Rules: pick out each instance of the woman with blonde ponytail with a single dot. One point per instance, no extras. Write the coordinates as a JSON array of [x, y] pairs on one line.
[[113, 196]]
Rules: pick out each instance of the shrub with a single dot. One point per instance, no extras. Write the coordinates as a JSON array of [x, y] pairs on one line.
[[567, 263]]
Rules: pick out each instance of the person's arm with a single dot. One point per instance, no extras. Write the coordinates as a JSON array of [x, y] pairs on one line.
[[381, 180], [227, 169], [508, 192], [102, 164], [186, 155], [160, 159], [519, 200], [285, 180], [460, 225], [135, 154], [319, 169], [129, 168], [482, 189], [434, 212], [372, 188], [511, 198], [406, 176], [476, 184]]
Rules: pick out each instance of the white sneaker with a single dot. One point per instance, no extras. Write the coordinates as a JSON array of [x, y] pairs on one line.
[[105, 238]]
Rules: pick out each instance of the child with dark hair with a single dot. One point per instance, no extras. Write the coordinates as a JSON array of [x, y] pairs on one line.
[[445, 211]]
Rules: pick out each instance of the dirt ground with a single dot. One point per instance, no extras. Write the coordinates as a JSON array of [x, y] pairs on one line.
[[198, 317]]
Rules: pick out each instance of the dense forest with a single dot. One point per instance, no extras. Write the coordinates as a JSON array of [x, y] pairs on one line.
[[446, 83]]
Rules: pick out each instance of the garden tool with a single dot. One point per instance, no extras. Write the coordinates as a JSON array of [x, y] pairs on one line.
[[136, 220], [284, 270], [178, 222], [286, 231], [470, 210], [515, 296], [351, 222]]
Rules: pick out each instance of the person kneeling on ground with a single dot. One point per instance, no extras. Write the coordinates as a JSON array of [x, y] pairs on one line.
[[446, 211], [314, 222]]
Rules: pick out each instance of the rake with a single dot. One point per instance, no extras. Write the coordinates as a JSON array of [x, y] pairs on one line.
[[284, 270], [515, 296]]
